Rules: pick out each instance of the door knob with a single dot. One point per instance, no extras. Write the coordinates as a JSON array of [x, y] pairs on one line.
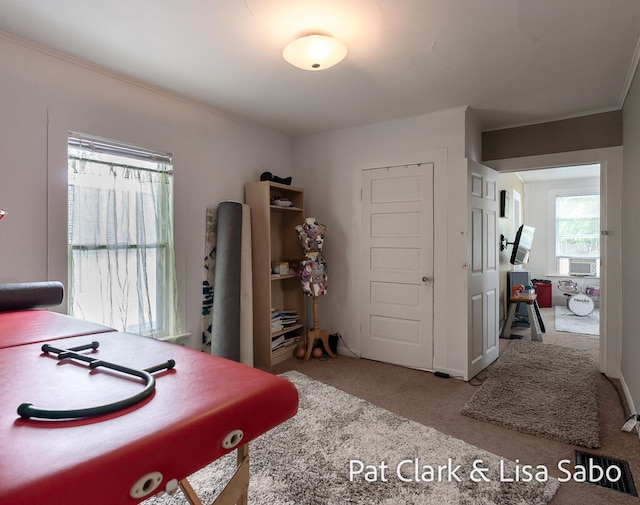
[[425, 279]]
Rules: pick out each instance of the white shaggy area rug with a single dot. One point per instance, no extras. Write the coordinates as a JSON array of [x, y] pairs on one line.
[[340, 449], [567, 321]]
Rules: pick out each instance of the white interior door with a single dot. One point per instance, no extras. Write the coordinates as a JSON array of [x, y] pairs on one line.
[[483, 279], [397, 265]]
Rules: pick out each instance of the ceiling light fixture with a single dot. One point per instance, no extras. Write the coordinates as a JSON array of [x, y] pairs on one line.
[[314, 52]]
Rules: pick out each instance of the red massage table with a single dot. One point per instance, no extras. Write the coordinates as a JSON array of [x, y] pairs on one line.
[[19, 327], [201, 408]]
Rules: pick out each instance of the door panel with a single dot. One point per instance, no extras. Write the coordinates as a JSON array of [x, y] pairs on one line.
[[397, 253], [483, 275], [399, 224], [396, 294], [387, 258]]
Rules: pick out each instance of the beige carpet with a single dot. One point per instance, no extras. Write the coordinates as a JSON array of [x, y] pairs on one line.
[[437, 402], [543, 390]]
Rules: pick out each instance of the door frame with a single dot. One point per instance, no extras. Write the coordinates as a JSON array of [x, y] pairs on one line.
[[610, 160], [449, 253], [427, 207]]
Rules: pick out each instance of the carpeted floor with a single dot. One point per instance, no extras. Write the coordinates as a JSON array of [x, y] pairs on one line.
[[567, 321], [342, 449], [437, 402], [541, 389]]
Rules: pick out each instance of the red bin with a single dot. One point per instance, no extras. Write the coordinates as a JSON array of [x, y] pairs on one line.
[[543, 290]]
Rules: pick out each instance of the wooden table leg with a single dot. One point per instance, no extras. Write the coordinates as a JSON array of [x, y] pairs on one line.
[[506, 329], [189, 493], [236, 490]]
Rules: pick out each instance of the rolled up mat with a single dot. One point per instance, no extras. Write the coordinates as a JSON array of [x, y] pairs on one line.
[[246, 291], [30, 295], [225, 331]]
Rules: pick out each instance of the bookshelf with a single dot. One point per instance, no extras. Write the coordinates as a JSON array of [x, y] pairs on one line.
[[274, 242]]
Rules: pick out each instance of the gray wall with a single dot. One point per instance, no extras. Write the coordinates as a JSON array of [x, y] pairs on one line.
[[631, 242], [576, 134]]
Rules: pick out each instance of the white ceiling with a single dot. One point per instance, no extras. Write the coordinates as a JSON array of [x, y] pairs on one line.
[[513, 61], [560, 173]]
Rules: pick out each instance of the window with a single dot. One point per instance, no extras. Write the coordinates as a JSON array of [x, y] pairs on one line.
[[578, 234], [120, 237]]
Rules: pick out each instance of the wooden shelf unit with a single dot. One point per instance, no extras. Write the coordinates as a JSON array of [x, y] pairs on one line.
[[274, 239]]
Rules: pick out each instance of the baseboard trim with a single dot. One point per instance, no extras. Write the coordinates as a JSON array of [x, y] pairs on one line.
[[627, 395]]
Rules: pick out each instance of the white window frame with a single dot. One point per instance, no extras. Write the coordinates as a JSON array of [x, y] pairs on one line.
[[166, 315], [553, 194]]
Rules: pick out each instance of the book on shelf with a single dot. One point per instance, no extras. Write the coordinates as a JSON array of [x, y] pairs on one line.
[[286, 340], [281, 319], [277, 342]]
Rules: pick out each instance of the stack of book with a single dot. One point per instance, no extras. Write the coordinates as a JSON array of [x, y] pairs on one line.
[[288, 318], [276, 321], [281, 320], [284, 340]]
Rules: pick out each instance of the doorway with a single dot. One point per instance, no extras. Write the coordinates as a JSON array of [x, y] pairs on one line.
[[564, 205]]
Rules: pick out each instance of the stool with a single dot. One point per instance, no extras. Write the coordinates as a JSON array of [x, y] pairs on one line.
[[535, 320]]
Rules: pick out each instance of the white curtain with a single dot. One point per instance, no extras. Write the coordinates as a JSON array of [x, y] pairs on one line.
[[121, 255]]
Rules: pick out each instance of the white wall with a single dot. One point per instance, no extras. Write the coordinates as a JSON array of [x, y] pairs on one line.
[[511, 183], [329, 166], [631, 244], [45, 95]]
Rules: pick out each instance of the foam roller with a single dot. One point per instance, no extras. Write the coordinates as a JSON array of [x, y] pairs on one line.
[[225, 332], [30, 295]]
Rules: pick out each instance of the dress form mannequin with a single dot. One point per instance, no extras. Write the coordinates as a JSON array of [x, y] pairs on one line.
[[313, 276]]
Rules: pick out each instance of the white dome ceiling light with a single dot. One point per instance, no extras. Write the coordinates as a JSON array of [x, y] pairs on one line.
[[314, 52]]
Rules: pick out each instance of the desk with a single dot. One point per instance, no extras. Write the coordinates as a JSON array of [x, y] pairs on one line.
[[535, 319], [200, 410]]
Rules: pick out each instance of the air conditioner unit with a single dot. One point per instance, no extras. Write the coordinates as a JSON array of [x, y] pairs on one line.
[[585, 267]]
